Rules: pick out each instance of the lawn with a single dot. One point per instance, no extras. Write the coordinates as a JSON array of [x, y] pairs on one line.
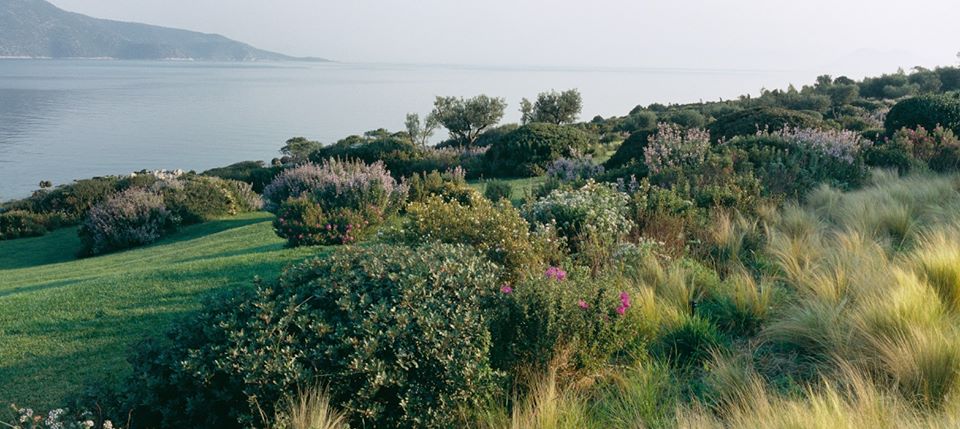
[[65, 322]]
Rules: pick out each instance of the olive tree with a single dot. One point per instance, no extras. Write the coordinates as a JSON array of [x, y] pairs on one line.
[[553, 107], [465, 119], [420, 132]]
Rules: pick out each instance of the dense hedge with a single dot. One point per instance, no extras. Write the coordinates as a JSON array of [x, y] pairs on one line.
[[750, 121], [925, 111], [398, 334], [528, 150]]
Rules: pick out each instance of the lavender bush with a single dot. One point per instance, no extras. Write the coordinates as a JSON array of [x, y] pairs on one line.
[[844, 145], [671, 146], [130, 218], [573, 169]]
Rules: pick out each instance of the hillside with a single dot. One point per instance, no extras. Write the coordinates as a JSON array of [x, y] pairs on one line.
[[38, 29], [76, 320]]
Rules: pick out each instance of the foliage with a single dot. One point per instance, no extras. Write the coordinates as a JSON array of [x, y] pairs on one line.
[[528, 150], [465, 119], [420, 131], [496, 190], [298, 149], [673, 147], [253, 172], [305, 223], [451, 186], [195, 199], [750, 121], [591, 218], [21, 223], [131, 218], [552, 107], [925, 111], [631, 150], [906, 150], [429, 361], [495, 229], [574, 169], [688, 344]]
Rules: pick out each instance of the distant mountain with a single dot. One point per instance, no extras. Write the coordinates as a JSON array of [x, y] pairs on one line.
[[38, 29]]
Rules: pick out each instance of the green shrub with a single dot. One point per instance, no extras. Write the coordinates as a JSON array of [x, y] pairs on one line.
[[451, 186], [528, 150], [74, 200], [591, 218], [255, 173], [496, 190], [907, 150], [750, 121], [21, 223], [131, 218], [689, 344], [631, 151], [333, 203], [927, 111], [593, 319], [496, 229], [398, 334]]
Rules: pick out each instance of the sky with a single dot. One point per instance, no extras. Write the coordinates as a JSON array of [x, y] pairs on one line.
[[843, 36]]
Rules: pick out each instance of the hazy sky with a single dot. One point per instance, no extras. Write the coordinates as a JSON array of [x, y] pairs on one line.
[[831, 35]]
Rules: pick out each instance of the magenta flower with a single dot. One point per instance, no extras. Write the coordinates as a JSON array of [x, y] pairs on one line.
[[583, 304], [556, 273], [621, 310], [624, 300], [506, 289]]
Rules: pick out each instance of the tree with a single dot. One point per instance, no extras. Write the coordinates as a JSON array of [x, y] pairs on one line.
[[553, 107], [419, 132], [465, 119], [299, 148]]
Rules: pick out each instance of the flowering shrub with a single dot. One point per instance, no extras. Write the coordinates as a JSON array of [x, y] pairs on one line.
[[196, 199], [843, 145], [574, 169], [547, 314], [397, 333], [304, 223], [451, 185], [497, 230], [131, 218], [27, 418], [332, 203], [671, 146], [595, 214], [21, 223], [908, 149]]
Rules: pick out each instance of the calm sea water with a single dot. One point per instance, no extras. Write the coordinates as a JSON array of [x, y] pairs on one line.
[[63, 120]]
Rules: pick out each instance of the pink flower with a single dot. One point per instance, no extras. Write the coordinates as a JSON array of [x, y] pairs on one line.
[[556, 273], [329, 227], [506, 289], [583, 304], [624, 300], [621, 310]]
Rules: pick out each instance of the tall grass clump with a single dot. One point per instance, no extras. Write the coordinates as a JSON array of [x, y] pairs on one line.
[[309, 409]]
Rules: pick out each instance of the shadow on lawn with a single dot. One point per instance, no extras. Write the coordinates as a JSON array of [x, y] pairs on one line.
[[63, 245]]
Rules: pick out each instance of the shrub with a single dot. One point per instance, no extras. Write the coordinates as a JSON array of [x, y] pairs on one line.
[[497, 230], [496, 190], [73, 201], [674, 147], [528, 150], [396, 333], [196, 199], [333, 203], [750, 121], [21, 223], [593, 319], [451, 186], [592, 217], [687, 118], [689, 344], [631, 151], [253, 172], [131, 218], [574, 169], [925, 111]]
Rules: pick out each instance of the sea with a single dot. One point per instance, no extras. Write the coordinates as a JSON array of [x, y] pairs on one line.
[[62, 120]]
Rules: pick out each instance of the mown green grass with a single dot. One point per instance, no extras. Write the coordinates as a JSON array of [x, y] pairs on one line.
[[66, 322]]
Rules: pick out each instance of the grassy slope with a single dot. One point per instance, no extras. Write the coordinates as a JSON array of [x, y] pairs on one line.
[[65, 321]]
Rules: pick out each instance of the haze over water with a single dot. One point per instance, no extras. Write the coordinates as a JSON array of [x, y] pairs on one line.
[[72, 119]]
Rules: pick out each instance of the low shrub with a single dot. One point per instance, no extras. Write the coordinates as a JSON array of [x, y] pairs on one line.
[[592, 218], [196, 199], [398, 334], [496, 190], [21, 223], [496, 229], [574, 169], [255, 173], [528, 150], [451, 186], [929, 112], [332, 203], [131, 218], [750, 121], [674, 147], [595, 320]]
